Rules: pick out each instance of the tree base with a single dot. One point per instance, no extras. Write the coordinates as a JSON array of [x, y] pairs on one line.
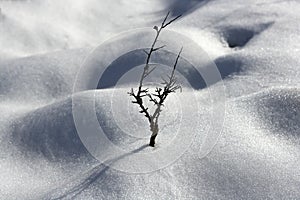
[[152, 141]]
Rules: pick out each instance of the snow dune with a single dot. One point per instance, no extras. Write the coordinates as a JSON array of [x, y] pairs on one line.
[[255, 45]]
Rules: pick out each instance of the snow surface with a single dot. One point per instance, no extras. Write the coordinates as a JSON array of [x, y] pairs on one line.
[[255, 45]]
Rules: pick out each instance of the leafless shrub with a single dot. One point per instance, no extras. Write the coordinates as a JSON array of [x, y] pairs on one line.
[[158, 97]]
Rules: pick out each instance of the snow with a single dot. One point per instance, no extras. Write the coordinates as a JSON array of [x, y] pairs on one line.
[[255, 46]]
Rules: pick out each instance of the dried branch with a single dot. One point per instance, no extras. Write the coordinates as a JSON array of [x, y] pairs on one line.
[[139, 101], [160, 93], [171, 21], [170, 86], [158, 48]]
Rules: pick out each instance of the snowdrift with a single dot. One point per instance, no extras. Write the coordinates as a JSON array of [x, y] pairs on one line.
[[255, 46], [278, 112], [247, 162], [49, 131]]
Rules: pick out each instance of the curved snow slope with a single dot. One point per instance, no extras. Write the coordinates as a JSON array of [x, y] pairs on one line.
[[47, 77], [50, 130], [68, 24], [251, 159], [278, 111], [40, 78], [255, 45], [248, 162]]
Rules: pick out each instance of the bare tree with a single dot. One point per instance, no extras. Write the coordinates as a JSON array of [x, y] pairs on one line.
[[160, 94]]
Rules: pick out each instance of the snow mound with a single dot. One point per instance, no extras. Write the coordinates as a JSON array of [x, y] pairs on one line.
[[255, 45], [58, 29], [40, 78], [247, 163], [50, 130], [278, 111]]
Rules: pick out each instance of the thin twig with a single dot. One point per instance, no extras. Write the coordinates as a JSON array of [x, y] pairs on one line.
[[160, 93]]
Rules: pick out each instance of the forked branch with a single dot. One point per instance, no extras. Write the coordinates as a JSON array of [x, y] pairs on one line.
[[160, 94]]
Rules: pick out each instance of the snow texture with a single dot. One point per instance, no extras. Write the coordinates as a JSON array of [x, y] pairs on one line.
[[255, 45]]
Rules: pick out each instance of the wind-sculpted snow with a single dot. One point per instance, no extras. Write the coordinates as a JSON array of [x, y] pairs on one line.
[[40, 78], [278, 112], [49, 131], [250, 160], [255, 46], [31, 27]]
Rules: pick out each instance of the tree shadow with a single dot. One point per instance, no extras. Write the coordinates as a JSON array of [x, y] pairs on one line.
[[95, 174]]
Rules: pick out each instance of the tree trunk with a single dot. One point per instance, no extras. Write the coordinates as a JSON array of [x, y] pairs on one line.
[[152, 141], [154, 130]]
